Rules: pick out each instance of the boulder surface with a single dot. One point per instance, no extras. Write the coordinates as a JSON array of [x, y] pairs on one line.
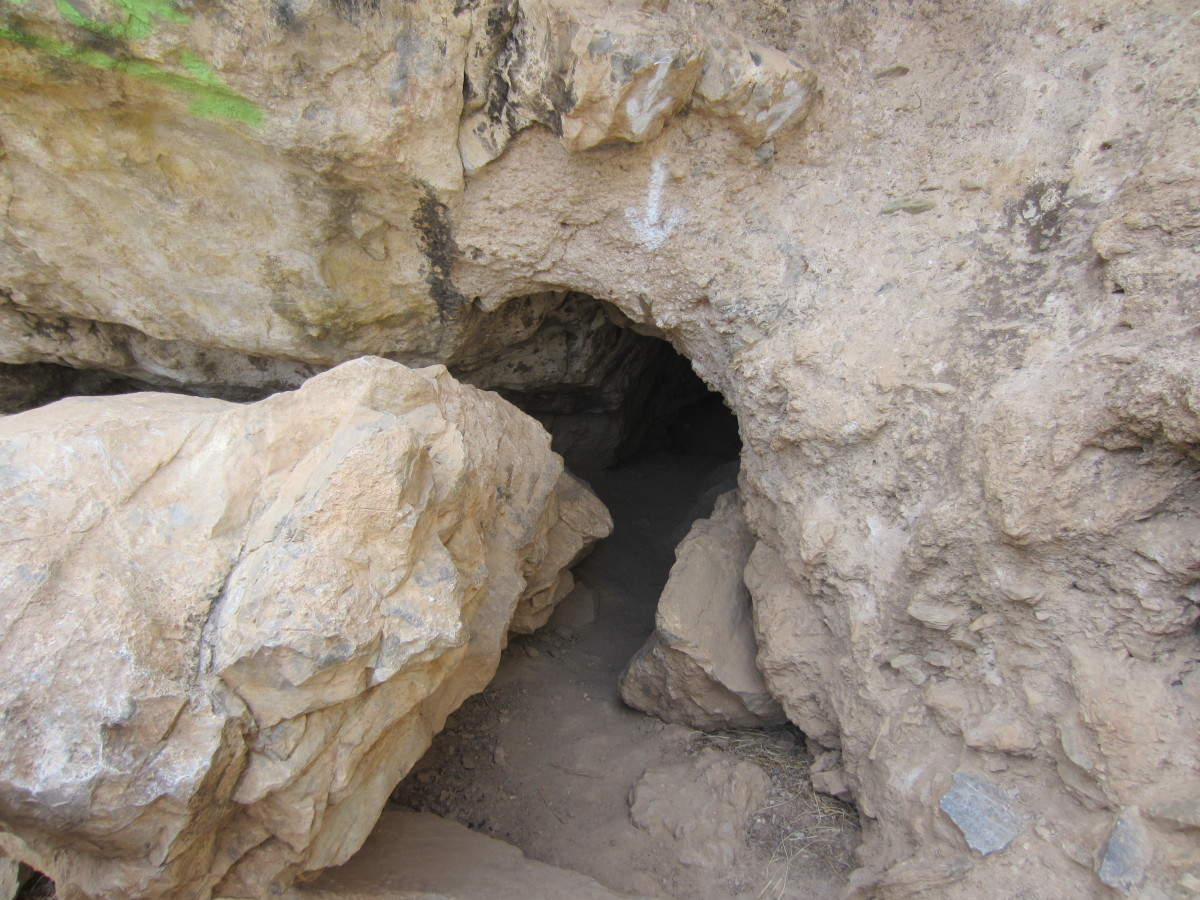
[[698, 667], [230, 630]]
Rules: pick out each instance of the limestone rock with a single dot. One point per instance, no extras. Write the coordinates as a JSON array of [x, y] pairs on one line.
[[759, 88], [418, 856], [1180, 813], [230, 630], [601, 75], [698, 667], [627, 81], [704, 804]]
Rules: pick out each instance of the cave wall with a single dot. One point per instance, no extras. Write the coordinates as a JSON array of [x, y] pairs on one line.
[[951, 300]]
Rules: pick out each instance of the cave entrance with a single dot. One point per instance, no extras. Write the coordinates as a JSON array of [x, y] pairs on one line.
[[606, 389], [549, 758]]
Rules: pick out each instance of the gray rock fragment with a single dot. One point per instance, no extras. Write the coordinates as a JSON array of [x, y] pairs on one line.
[[982, 813], [1127, 853]]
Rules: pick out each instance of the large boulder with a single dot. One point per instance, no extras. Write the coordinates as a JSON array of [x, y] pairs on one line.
[[230, 630], [698, 667]]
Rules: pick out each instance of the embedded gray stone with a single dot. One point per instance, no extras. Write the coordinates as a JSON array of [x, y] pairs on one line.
[[982, 813], [1127, 853]]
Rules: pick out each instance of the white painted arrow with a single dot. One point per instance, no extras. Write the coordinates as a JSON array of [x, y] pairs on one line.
[[648, 225]]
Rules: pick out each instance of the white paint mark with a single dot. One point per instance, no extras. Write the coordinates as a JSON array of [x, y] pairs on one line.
[[644, 109], [775, 116], [648, 225]]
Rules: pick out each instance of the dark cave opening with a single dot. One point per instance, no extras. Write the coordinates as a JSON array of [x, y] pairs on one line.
[[606, 391]]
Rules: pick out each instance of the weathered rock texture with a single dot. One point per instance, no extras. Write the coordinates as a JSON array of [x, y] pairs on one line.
[[345, 244], [228, 631], [698, 667], [954, 311]]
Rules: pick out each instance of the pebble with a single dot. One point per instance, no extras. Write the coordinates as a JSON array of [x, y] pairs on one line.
[[911, 205]]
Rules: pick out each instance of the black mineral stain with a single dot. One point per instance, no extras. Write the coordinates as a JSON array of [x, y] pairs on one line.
[[353, 9], [432, 222], [284, 16], [1040, 213]]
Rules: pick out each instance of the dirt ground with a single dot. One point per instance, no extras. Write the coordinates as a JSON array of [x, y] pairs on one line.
[[548, 757]]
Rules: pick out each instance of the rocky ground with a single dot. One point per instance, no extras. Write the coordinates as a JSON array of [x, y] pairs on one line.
[[550, 759]]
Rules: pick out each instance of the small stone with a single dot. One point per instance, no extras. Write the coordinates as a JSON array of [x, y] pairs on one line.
[[970, 184], [912, 205], [532, 652], [1191, 882], [833, 783], [1127, 853], [425, 778], [988, 620], [468, 763], [566, 632], [935, 615], [499, 757], [910, 667], [939, 659], [982, 813]]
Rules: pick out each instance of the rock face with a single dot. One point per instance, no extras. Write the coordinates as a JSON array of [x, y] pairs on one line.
[[698, 667], [230, 630], [344, 246], [953, 309]]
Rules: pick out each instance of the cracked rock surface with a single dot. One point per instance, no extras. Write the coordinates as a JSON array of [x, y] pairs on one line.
[[230, 630]]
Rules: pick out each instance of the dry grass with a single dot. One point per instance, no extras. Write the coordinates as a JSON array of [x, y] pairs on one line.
[[799, 832]]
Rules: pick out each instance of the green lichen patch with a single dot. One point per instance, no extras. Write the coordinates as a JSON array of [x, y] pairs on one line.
[[911, 205], [105, 48]]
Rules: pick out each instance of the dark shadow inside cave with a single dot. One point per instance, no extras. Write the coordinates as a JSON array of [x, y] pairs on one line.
[[606, 391]]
